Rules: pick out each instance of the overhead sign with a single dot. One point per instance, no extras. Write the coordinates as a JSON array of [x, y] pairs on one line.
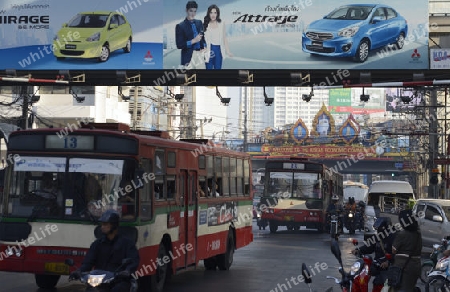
[[286, 34], [347, 100], [83, 34]]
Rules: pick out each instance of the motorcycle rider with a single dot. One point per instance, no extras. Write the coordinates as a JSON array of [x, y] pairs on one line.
[[349, 206], [107, 252], [380, 243]]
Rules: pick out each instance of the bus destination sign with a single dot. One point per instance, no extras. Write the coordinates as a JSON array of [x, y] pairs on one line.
[[69, 142], [289, 165]]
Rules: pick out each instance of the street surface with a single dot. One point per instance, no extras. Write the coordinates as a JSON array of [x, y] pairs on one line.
[[266, 265]]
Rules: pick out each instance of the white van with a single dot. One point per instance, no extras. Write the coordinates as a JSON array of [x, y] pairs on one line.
[[386, 198]]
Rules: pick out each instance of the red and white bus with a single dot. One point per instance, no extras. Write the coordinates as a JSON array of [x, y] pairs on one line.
[[297, 193], [63, 179]]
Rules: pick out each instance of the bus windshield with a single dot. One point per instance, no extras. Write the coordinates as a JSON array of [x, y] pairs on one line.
[[71, 188], [302, 185]]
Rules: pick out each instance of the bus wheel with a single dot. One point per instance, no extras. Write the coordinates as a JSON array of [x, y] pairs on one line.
[[273, 228], [210, 263], [296, 228], [290, 227], [46, 281], [162, 272], [225, 260]]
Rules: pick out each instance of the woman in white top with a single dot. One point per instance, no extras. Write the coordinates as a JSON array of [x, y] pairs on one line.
[[216, 39]]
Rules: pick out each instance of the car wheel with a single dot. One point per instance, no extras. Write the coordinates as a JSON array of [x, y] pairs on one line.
[[104, 56], [127, 47], [362, 52], [400, 41]]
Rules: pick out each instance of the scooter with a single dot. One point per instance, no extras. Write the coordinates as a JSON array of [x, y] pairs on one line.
[[436, 254], [439, 278], [357, 279], [100, 280]]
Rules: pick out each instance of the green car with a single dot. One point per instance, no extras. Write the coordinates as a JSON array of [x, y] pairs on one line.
[[93, 35]]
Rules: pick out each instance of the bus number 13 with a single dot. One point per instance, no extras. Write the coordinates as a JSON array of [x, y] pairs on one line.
[[70, 142]]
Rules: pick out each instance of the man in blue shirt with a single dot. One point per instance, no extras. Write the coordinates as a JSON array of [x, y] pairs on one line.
[[190, 39]]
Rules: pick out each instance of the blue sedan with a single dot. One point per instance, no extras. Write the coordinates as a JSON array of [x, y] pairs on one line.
[[354, 30]]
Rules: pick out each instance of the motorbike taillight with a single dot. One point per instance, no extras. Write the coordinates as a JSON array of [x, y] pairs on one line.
[[367, 260]]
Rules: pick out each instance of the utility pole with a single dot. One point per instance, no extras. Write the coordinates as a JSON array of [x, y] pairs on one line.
[[433, 148], [24, 96], [245, 121], [136, 92]]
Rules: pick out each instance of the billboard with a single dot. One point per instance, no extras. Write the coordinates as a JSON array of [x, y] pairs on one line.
[[83, 34], [439, 58], [252, 34], [347, 101], [292, 34]]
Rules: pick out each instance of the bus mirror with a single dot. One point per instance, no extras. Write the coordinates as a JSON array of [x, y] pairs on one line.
[[263, 179]]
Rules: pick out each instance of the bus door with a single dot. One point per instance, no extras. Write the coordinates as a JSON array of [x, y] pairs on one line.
[[188, 222]]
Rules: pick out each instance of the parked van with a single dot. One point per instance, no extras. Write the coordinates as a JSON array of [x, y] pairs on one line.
[[386, 198], [435, 225]]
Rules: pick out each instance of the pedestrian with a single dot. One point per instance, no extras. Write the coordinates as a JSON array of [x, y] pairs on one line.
[[407, 248]]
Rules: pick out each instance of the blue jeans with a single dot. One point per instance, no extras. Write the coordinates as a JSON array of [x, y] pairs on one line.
[[215, 60]]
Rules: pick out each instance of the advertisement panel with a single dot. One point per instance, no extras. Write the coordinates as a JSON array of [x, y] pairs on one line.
[[291, 34], [347, 101], [439, 58], [83, 34]]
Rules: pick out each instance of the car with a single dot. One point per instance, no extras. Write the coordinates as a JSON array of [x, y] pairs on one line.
[[435, 225], [354, 31], [93, 35]]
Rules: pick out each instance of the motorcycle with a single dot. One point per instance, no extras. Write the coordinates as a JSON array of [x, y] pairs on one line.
[[100, 280], [439, 278], [437, 253], [351, 222], [262, 223], [357, 279], [335, 224]]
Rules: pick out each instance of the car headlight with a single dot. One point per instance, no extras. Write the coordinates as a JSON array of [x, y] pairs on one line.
[[355, 268], [348, 32], [442, 265], [94, 38], [95, 280]]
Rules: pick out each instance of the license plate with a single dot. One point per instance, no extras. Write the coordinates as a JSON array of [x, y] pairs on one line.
[[71, 46], [317, 44], [288, 218], [57, 268]]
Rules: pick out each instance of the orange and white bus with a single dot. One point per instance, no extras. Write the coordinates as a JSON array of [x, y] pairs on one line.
[[297, 193], [63, 179]]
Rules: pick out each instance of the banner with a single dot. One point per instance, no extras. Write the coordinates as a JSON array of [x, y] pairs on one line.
[[83, 34], [292, 34]]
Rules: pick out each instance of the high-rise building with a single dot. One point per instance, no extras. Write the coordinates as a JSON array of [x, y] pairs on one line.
[[289, 106]]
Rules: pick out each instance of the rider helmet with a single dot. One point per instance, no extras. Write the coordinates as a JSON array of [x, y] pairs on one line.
[[351, 200], [110, 216], [335, 198]]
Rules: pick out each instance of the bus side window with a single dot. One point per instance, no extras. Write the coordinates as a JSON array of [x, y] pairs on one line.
[[171, 186], [201, 188], [159, 187]]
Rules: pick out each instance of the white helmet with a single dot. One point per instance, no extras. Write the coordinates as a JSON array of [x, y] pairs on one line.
[[335, 198]]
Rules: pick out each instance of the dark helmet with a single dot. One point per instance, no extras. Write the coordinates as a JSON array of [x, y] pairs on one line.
[[351, 200], [382, 223], [361, 204], [110, 216]]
